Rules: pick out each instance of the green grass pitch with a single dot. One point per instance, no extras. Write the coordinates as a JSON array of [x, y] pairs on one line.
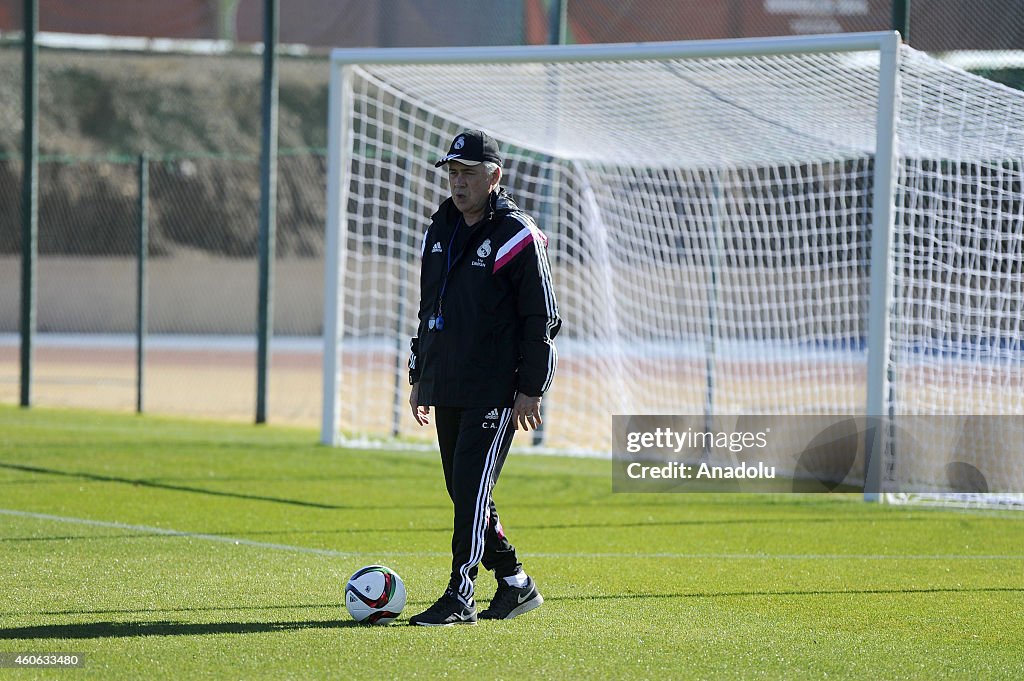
[[269, 525]]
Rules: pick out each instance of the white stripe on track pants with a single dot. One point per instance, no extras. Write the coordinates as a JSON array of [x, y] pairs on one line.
[[474, 443]]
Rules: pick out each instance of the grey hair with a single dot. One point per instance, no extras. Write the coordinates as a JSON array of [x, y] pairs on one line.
[[490, 167]]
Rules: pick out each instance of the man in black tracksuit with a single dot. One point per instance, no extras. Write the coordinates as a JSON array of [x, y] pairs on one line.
[[483, 358]]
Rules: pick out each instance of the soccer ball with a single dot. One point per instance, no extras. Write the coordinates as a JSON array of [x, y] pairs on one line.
[[375, 595]]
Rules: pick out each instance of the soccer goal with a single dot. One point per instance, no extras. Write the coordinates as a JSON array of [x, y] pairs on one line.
[[814, 225]]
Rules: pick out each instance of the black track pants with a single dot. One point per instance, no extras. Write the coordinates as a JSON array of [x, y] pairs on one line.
[[474, 443]]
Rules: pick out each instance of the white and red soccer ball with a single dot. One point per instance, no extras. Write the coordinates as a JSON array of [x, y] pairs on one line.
[[375, 594]]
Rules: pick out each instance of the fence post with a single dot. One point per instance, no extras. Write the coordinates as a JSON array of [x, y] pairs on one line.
[[29, 198], [268, 207], [901, 18], [141, 283]]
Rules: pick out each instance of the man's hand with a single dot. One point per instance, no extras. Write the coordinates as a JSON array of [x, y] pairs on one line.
[[420, 413], [526, 412]]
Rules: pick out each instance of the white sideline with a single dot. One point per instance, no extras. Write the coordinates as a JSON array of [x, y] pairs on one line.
[[609, 554], [204, 537]]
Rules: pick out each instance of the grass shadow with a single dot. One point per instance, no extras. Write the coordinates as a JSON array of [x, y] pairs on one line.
[[97, 630], [779, 593], [153, 484]]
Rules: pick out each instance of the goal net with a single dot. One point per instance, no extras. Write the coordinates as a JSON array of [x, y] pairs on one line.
[[828, 225]]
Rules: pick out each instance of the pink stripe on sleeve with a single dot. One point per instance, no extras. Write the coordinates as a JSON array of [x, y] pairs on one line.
[[511, 253]]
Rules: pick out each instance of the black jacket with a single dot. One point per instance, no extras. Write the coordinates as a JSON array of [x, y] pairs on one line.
[[498, 309]]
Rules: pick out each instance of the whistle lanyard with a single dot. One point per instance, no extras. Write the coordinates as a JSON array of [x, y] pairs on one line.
[[436, 323]]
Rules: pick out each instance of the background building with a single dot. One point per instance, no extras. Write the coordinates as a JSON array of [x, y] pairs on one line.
[[936, 25]]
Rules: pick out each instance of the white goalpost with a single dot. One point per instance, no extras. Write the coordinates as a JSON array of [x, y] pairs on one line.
[[786, 226]]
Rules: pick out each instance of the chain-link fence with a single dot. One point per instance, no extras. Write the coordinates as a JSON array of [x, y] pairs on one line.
[[982, 36], [934, 25], [202, 269], [197, 116]]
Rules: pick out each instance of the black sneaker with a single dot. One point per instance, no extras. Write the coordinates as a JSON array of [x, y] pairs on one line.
[[446, 611], [512, 601]]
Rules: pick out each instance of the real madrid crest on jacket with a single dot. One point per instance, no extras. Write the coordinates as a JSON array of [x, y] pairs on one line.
[[487, 313]]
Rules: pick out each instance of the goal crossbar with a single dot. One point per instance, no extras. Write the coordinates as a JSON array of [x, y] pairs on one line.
[[690, 49]]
